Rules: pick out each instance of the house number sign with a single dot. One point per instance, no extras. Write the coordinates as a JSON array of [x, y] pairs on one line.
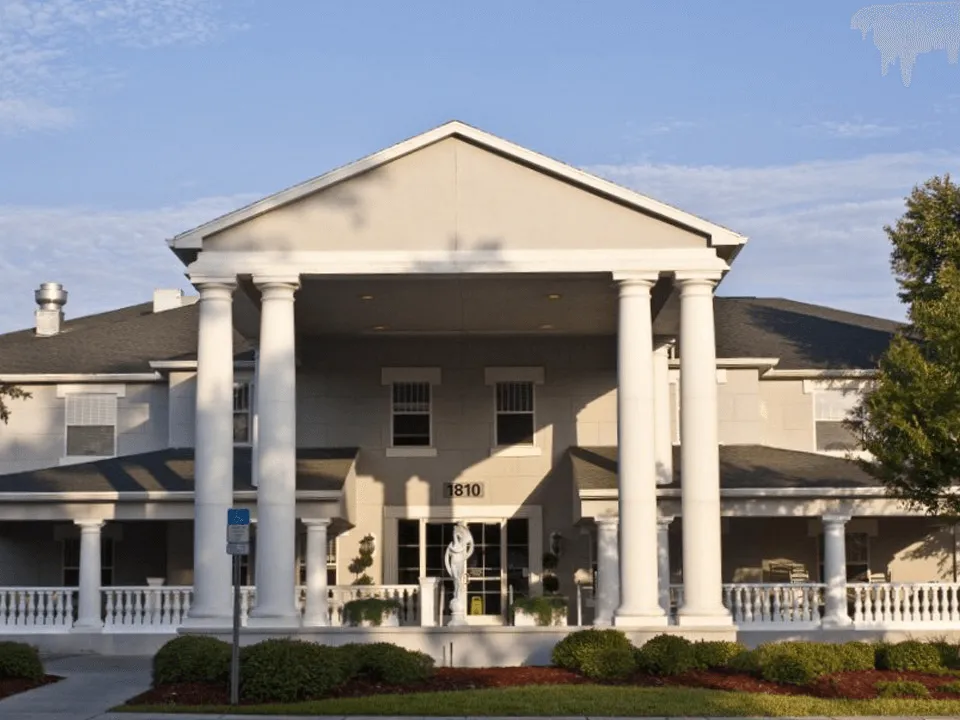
[[463, 490]]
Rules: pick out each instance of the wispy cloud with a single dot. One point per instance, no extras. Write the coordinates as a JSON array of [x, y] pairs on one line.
[[106, 258], [815, 228], [43, 66], [853, 130]]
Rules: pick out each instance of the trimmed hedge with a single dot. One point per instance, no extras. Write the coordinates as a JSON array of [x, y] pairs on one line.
[[284, 671], [901, 689], [579, 649], [192, 658], [909, 655], [716, 654], [667, 655], [385, 663], [800, 663], [610, 663], [20, 661]]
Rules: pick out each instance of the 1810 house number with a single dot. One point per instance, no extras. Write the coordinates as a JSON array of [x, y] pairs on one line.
[[462, 490]]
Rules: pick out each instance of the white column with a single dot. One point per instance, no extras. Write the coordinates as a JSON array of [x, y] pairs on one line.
[[213, 481], [663, 560], [661, 405], [428, 601], [315, 610], [89, 615], [607, 594], [254, 417], [276, 457], [835, 570], [639, 600], [699, 456]]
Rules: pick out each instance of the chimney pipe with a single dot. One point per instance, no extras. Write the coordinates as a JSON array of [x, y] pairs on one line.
[[50, 298]]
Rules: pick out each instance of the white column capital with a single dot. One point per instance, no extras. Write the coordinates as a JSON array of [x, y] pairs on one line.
[[834, 520], [89, 526], [607, 521], [316, 522], [635, 282], [289, 283], [663, 521], [662, 347], [689, 279], [213, 285]]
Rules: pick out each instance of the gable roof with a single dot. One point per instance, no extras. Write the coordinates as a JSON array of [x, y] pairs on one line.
[[119, 341], [741, 467], [192, 240], [803, 336]]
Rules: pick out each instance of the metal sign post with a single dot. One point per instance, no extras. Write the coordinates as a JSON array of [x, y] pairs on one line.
[[238, 544]]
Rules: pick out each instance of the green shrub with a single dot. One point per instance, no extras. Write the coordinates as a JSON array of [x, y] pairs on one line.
[[747, 662], [543, 607], [667, 655], [910, 655], [192, 658], [952, 687], [853, 655], [386, 663], [798, 663], [610, 663], [949, 653], [901, 689], [285, 670], [372, 609], [579, 648], [21, 661], [714, 654]]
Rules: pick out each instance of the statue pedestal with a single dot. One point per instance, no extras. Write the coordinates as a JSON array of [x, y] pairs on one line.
[[458, 614]]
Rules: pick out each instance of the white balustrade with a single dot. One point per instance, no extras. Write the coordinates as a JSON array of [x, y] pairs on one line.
[[905, 604], [37, 609], [145, 609], [408, 596], [767, 604]]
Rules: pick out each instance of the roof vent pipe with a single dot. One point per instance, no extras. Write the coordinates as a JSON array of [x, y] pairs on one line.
[[50, 297]]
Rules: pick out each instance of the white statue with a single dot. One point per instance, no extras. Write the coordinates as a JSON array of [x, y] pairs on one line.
[[455, 560]]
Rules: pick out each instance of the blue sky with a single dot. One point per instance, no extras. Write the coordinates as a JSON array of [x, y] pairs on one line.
[[123, 122]]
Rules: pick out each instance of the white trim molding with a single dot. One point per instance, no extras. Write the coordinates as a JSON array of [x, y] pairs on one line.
[[494, 375], [18, 379], [117, 390], [390, 375], [410, 451]]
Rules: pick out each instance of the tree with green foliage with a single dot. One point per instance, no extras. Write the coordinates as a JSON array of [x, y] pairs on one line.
[[363, 561], [909, 420], [9, 392]]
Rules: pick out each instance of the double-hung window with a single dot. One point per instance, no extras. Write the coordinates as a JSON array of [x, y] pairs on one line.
[[410, 416], [242, 413], [91, 425], [514, 422], [831, 408]]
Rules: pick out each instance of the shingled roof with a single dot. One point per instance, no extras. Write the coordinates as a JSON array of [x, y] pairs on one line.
[[172, 470], [120, 341], [741, 466], [803, 337]]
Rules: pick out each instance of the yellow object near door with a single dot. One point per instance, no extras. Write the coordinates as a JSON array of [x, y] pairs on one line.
[[476, 605]]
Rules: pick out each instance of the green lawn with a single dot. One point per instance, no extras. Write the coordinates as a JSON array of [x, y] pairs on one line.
[[584, 700]]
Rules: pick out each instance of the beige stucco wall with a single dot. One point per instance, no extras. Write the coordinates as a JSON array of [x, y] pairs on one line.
[[35, 435], [447, 196], [786, 415], [738, 407]]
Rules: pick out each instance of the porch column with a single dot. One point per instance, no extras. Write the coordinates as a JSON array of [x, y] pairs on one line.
[[639, 602], [276, 457], [663, 560], [89, 616], [699, 456], [835, 570], [608, 571], [661, 424], [315, 610], [213, 494]]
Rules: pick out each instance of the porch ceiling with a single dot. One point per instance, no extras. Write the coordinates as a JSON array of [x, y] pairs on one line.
[[555, 304]]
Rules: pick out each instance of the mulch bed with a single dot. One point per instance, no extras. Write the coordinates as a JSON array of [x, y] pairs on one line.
[[13, 686], [850, 685]]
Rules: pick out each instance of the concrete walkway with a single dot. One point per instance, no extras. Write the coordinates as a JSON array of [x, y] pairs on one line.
[[91, 686]]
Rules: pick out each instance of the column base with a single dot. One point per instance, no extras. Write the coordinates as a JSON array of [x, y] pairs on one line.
[[89, 626], [192, 621], [706, 617], [645, 620], [835, 622], [315, 621], [274, 621]]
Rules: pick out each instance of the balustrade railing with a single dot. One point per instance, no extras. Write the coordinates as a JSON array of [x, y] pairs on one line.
[[38, 608], [753, 604], [144, 609], [900, 604]]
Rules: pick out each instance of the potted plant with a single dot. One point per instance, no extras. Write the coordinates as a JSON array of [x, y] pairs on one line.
[[542, 611], [372, 612], [362, 562]]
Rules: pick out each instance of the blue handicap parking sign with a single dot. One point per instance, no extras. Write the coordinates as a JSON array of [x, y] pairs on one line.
[[237, 516]]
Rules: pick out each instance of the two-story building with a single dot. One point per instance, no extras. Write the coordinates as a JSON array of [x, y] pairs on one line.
[[454, 329]]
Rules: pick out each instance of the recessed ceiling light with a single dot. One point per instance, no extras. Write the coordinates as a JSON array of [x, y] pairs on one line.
[[546, 327], [366, 297], [553, 296], [379, 327]]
